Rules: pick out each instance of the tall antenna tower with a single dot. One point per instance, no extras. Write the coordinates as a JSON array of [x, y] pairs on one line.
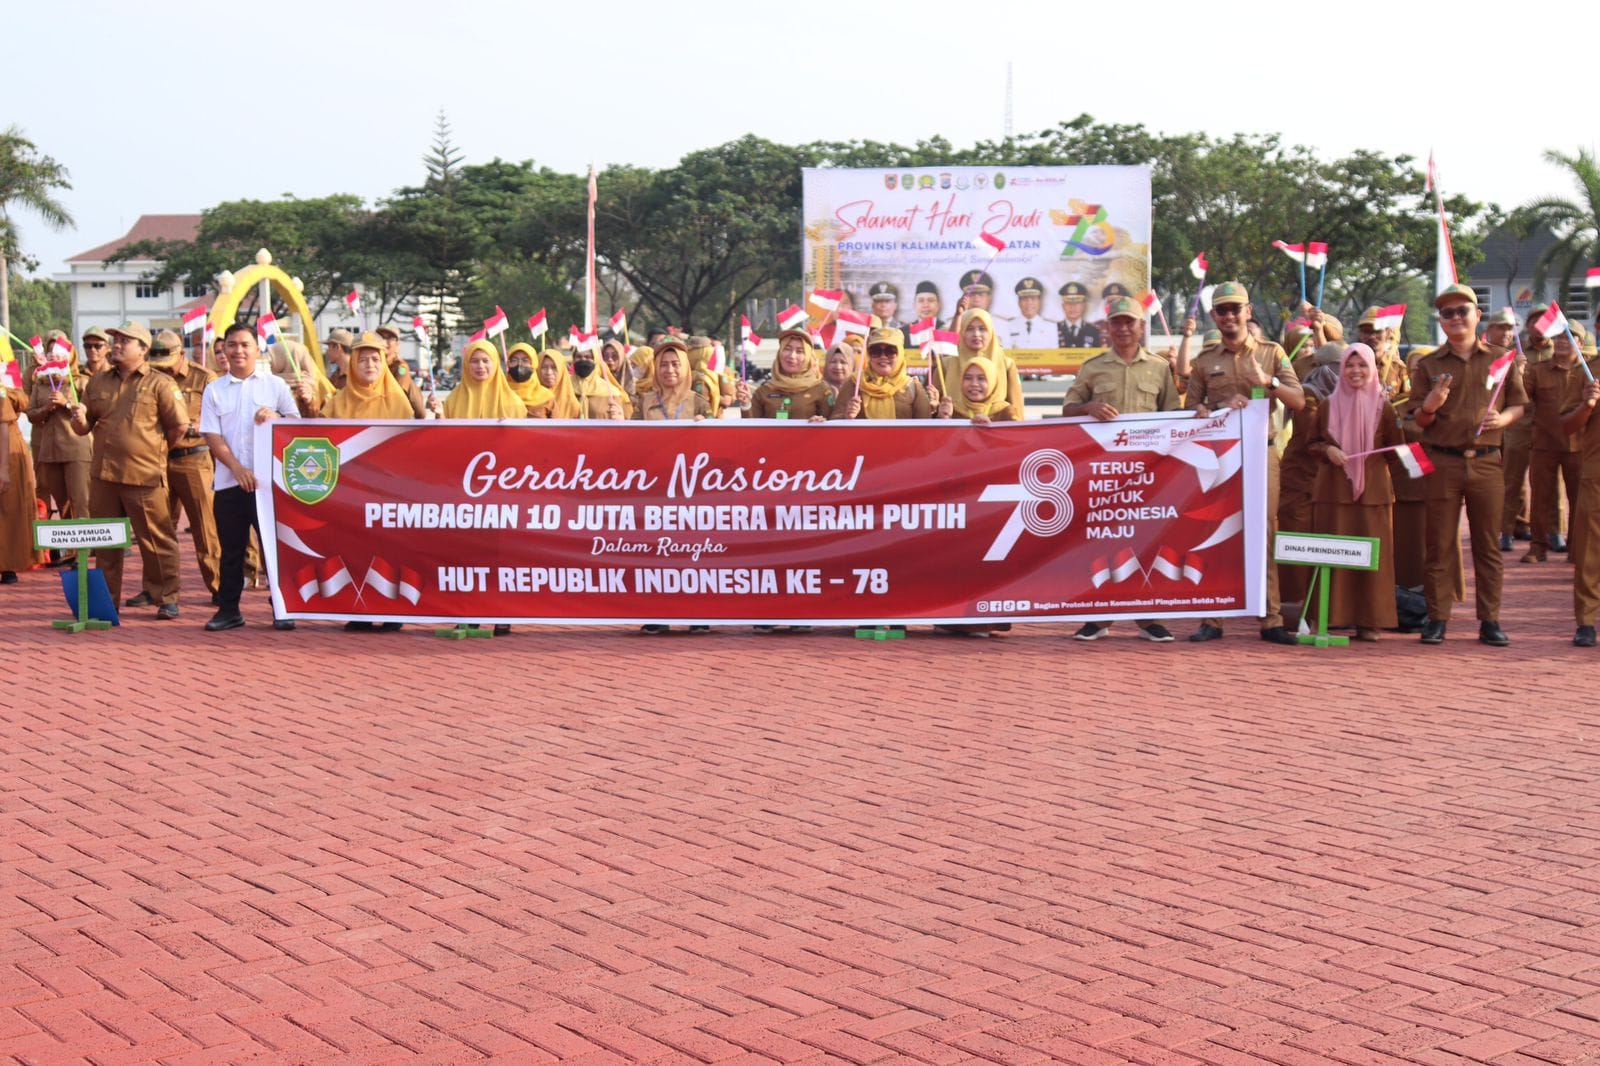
[[1008, 99]]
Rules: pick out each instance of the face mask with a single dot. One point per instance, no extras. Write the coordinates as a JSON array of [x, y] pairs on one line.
[[584, 367], [520, 373]]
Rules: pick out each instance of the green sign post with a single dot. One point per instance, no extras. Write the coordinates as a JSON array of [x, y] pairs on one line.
[[81, 536], [1326, 552]]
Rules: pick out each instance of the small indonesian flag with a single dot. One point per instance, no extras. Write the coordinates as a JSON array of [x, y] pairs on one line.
[[1194, 568], [36, 342], [538, 325], [855, 322], [267, 329], [717, 361], [619, 321], [352, 300], [944, 342], [1124, 566], [791, 317], [989, 240], [1592, 279], [496, 323], [194, 320], [827, 299], [585, 342], [922, 331], [1168, 564], [59, 362], [1414, 459], [1198, 266], [1149, 301], [747, 336], [1389, 317], [481, 335], [327, 578], [209, 334], [11, 374], [1313, 255], [1500, 368], [1551, 322], [420, 328], [60, 351]]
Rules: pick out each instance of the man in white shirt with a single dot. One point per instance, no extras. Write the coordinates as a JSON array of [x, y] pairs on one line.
[[229, 411]]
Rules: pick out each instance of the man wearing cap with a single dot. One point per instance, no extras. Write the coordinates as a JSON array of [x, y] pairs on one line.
[[1072, 331], [1555, 454], [1030, 330], [1224, 375], [1499, 331], [1450, 400], [928, 304], [336, 349], [886, 305], [1580, 421], [402, 372], [1127, 380], [978, 288], [96, 350], [60, 456], [1392, 374], [229, 412], [137, 415], [189, 463]]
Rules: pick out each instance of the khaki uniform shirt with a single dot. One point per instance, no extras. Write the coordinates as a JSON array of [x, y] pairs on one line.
[[1135, 388], [1547, 386], [651, 409], [53, 439], [1588, 440], [768, 402], [192, 383], [1215, 377], [1455, 425], [131, 418]]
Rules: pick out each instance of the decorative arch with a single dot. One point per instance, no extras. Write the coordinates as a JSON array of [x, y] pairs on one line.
[[225, 309]]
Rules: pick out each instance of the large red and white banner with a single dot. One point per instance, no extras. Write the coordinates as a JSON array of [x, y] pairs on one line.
[[1149, 516]]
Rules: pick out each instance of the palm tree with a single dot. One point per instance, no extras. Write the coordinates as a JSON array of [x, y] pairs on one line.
[[27, 179], [1576, 223]]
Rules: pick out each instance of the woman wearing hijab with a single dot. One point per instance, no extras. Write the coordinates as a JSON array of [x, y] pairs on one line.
[[554, 395], [839, 368], [621, 368], [976, 337], [717, 392], [370, 391], [979, 396], [883, 390], [671, 398], [599, 395], [17, 507], [522, 363], [484, 391], [1354, 497], [796, 389]]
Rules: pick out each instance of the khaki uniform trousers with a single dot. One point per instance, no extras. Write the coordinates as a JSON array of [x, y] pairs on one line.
[[1543, 469], [1517, 452], [1479, 483], [65, 485], [189, 487], [1585, 537], [145, 507]]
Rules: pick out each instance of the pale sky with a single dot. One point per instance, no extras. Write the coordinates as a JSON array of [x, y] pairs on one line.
[[172, 107]]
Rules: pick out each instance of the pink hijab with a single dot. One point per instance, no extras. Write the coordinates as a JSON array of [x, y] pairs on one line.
[[1353, 415]]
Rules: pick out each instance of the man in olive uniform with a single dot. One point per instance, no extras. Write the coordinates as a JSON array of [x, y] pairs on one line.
[[1223, 375], [1073, 331], [1127, 380], [1392, 374], [1450, 394], [189, 469], [60, 456], [402, 372], [137, 415], [336, 349], [1030, 329], [1107, 294], [1580, 421], [96, 350], [1555, 455], [1517, 439]]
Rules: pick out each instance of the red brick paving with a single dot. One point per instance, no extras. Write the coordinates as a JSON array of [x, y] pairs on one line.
[[587, 846]]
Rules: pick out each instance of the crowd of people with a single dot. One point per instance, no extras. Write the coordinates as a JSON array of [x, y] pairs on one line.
[[142, 431]]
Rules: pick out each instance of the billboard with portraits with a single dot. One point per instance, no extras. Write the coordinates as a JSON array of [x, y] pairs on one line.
[[911, 243]]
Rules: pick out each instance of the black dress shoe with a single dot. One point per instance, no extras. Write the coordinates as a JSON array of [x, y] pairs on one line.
[[1278, 635], [1505, 542], [1206, 632], [283, 625], [167, 612], [1491, 633], [391, 627], [224, 619], [358, 627], [1558, 543], [1433, 632], [141, 600], [502, 630], [8, 577], [1584, 637]]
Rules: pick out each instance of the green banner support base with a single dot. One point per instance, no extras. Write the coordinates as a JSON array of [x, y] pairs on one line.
[[79, 627], [1321, 639], [880, 633], [83, 622], [464, 632]]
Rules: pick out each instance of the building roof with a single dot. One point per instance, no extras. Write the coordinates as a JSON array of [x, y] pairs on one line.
[[148, 228]]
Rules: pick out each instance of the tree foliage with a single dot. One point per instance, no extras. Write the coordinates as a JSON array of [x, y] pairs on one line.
[[1576, 223]]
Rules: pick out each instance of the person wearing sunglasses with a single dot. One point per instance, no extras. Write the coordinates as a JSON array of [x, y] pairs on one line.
[[1462, 407], [1224, 375]]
